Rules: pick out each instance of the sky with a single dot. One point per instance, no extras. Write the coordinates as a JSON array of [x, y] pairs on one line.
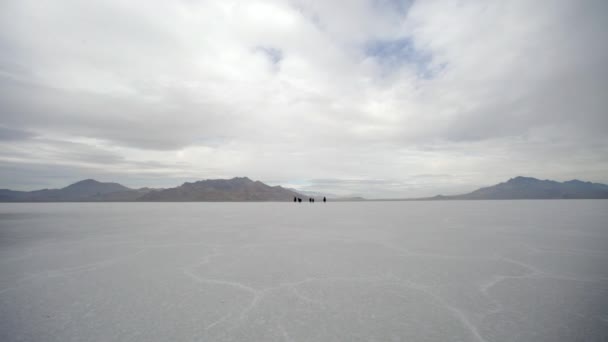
[[374, 98]]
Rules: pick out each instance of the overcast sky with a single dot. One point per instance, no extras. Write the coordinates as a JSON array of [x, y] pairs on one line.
[[380, 98]]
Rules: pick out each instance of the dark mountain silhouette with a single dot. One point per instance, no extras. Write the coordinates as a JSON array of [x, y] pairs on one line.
[[235, 189], [532, 188]]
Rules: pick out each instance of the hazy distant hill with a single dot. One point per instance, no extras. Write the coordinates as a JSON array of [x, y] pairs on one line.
[[121, 196], [315, 194], [328, 196], [235, 189], [532, 188], [86, 190]]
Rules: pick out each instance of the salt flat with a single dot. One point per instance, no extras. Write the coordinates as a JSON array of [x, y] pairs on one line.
[[369, 271]]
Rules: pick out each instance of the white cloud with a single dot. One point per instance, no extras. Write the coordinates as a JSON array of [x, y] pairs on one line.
[[288, 91]]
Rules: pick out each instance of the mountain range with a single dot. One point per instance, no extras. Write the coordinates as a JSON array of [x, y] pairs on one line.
[[244, 189], [87, 189], [235, 189], [532, 188], [90, 190]]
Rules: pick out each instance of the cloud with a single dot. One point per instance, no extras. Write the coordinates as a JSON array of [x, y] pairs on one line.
[[396, 52], [296, 91], [274, 55], [9, 134]]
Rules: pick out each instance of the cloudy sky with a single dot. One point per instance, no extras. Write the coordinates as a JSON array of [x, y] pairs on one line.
[[380, 98]]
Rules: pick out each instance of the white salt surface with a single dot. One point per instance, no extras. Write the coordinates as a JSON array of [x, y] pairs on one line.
[[373, 271]]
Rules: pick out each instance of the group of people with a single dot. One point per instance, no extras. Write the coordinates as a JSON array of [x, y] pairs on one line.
[[310, 199]]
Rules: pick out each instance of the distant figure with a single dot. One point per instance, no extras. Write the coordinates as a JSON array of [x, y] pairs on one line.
[[313, 200], [299, 200], [324, 199], [295, 199]]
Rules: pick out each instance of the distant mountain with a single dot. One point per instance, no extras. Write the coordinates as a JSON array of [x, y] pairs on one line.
[[314, 193], [349, 199], [532, 188], [235, 189], [328, 196], [244, 189], [86, 190], [121, 196]]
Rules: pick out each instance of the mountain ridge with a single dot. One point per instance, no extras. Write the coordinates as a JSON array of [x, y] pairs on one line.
[[239, 189], [521, 187], [229, 190], [86, 189], [209, 190]]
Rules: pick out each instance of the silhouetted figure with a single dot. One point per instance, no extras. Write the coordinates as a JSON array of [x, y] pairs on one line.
[[299, 200], [295, 199], [313, 200], [324, 199]]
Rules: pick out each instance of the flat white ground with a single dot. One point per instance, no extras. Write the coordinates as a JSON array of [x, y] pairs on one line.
[[373, 271]]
